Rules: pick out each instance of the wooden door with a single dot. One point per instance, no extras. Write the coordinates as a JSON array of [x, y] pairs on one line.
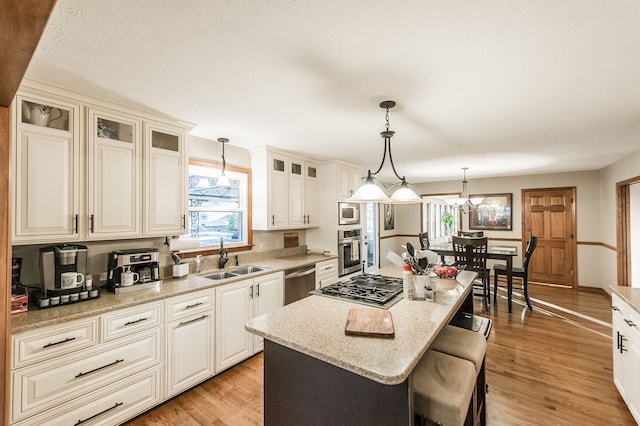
[[549, 214]]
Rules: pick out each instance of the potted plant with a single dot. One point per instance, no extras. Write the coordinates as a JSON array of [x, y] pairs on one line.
[[448, 219]]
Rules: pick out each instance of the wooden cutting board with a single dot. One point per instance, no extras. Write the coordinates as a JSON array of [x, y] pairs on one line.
[[370, 322]]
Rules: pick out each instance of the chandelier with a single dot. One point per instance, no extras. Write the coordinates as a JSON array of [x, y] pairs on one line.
[[369, 192], [464, 203]]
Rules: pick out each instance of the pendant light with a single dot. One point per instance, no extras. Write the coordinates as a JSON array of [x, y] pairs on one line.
[[464, 203], [223, 180], [369, 192]]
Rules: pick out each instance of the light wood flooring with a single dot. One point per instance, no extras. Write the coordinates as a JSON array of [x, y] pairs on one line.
[[552, 366]]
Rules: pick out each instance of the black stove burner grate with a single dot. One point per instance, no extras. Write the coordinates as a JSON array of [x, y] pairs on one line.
[[374, 289]]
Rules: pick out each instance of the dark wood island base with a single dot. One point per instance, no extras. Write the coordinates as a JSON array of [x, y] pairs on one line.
[[302, 390]]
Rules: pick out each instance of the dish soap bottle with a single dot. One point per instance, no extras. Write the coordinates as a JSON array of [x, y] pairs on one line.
[[407, 282]]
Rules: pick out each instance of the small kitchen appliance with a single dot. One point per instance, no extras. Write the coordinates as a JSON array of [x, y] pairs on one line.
[[121, 264], [57, 260], [348, 213]]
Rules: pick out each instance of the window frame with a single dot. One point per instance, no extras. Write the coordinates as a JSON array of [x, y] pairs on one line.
[[428, 225], [231, 247]]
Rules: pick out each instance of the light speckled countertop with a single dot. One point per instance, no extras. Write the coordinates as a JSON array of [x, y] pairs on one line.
[[37, 318], [315, 326], [630, 294]]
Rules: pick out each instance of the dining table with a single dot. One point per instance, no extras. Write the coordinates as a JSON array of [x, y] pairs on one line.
[[493, 252]]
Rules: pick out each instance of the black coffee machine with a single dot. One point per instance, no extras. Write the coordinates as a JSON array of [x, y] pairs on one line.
[[143, 262], [55, 260]]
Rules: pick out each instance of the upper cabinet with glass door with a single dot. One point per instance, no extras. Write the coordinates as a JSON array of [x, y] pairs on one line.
[[45, 169], [114, 175], [165, 180]]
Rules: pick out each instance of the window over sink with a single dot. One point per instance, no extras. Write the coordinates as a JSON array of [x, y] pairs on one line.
[[218, 211]]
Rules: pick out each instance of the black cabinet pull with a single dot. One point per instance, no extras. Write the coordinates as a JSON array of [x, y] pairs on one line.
[[622, 340], [618, 338], [631, 323], [91, 220], [117, 404], [273, 219], [135, 322], [68, 339], [184, 221], [251, 293], [615, 308], [258, 290], [193, 320], [75, 224], [194, 305], [117, 361]]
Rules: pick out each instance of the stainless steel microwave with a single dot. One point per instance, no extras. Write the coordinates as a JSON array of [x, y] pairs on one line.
[[348, 213]]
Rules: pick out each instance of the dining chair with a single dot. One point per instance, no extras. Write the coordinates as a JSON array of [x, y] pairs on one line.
[[518, 272], [471, 234], [424, 240], [471, 255]]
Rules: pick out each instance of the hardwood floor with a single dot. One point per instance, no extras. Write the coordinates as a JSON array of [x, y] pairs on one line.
[[552, 366]]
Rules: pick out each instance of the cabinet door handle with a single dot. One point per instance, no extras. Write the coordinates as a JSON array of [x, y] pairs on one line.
[[618, 338], [68, 339], [622, 340], [91, 220], [258, 290], [116, 405], [135, 322], [193, 306], [193, 320], [629, 322], [117, 361], [75, 224], [273, 219], [251, 293], [615, 308], [184, 221]]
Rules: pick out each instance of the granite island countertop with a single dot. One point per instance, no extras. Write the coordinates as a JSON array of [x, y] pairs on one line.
[[315, 327], [37, 318]]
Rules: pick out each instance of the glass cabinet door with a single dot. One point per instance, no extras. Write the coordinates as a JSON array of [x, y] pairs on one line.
[[115, 130], [44, 115]]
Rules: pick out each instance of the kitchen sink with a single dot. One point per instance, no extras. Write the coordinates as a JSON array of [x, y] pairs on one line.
[[248, 270], [221, 275]]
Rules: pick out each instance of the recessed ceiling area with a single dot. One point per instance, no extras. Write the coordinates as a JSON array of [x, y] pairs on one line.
[[502, 87]]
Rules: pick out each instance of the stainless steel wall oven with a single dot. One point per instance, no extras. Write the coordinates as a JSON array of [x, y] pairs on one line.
[[349, 251]]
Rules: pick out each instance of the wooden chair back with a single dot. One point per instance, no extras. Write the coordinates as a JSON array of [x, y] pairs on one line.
[[424, 240], [471, 234], [471, 253]]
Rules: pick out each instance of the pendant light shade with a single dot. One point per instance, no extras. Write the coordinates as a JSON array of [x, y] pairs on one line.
[[369, 192]]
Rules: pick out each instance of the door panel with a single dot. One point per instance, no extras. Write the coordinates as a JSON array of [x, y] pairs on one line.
[[549, 214]]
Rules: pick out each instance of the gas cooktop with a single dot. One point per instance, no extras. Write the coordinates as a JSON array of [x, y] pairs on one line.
[[371, 290]]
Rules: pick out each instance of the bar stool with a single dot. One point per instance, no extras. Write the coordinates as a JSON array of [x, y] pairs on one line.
[[443, 387], [471, 346]]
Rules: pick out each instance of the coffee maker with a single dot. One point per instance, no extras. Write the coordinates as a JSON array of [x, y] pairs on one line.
[[143, 263], [58, 259]]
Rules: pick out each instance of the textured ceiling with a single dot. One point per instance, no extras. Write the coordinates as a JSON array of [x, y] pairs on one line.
[[503, 87]]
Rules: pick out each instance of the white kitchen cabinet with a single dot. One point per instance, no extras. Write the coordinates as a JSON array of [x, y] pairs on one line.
[[189, 341], [284, 190], [87, 169], [626, 353], [45, 385], [110, 405], [46, 169], [236, 303], [348, 180], [114, 175], [165, 180], [85, 367], [326, 273]]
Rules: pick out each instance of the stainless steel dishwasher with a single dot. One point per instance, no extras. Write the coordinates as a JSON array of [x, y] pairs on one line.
[[298, 282]]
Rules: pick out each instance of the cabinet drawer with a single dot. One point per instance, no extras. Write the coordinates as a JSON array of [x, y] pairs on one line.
[[126, 321], [55, 382], [110, 405], [53, 341], [326, 273], [181, 306]]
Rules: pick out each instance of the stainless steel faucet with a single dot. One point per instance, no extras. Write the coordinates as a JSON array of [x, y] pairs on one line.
[[224, 257]]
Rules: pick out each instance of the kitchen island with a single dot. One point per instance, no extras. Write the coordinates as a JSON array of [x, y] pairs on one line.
[[316, 374]]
